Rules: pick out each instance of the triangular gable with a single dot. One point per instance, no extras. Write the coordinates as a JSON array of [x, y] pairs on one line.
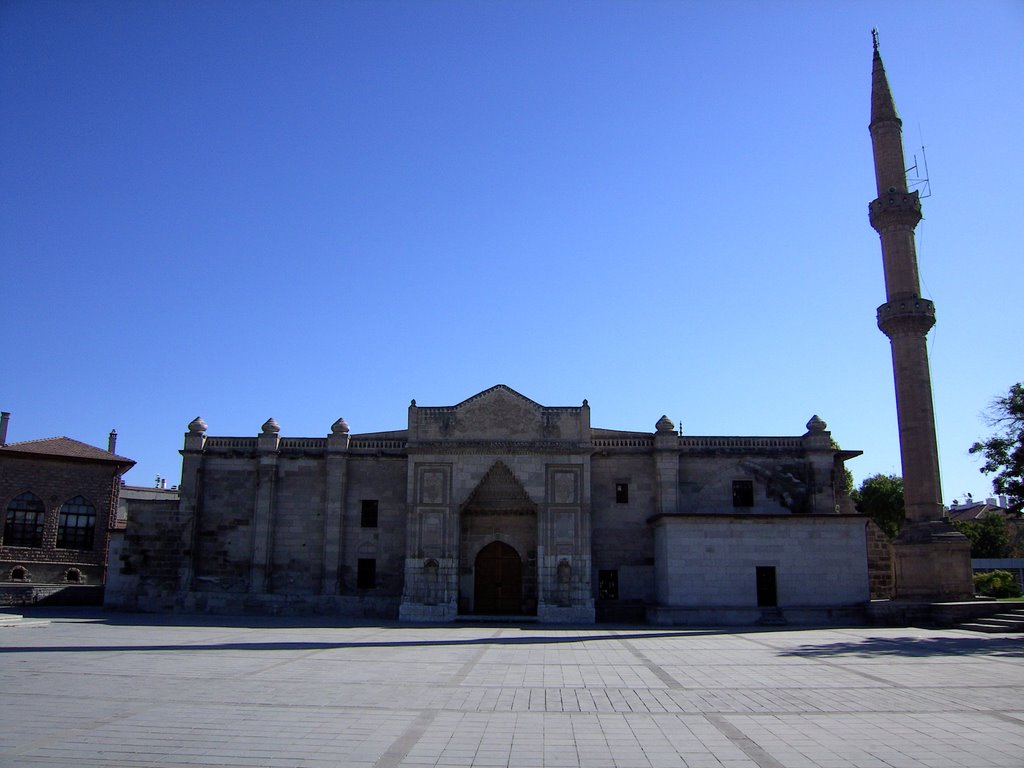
[[490, 393], [497, 413]]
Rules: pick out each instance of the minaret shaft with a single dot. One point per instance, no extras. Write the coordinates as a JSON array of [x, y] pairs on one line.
[[931, 560], [905, 317]]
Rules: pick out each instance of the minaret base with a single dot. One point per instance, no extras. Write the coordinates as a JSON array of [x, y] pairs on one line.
[[932, 563]]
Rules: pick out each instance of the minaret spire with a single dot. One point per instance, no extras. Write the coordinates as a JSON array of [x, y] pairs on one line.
[[886, 130], [906, 318]]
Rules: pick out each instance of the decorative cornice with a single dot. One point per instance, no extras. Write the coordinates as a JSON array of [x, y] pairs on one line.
[[498, 446]]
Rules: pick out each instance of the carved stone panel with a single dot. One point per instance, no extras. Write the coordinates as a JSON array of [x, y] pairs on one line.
[[432, 484], [565, 487], [565, 527], [431, 526]]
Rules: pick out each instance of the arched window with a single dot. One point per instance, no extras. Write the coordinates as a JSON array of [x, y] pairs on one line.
[[77, 523], [23, 525]]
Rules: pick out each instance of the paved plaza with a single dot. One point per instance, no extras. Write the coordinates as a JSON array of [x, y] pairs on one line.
[[95, 689]]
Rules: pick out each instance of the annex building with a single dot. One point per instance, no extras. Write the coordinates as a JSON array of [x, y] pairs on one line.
[[501, 506], [59, 498]]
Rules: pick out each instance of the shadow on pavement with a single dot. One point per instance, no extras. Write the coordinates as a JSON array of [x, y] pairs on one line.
[[915, 647]]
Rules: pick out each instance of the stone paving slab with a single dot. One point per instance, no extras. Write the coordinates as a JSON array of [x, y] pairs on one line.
[[115, 690]]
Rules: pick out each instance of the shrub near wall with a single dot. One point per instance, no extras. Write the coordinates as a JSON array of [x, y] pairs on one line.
[[996, 584]]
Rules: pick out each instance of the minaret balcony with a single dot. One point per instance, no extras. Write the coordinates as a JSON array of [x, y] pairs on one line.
[[911, 316], [895, 209]]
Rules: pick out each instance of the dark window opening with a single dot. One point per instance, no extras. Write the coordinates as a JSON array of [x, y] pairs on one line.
[[77, 524], [368, 514], [743, 493], [622, 493], [73, 575], [366, 573], [23, 525], [19, 573], [608, 585]]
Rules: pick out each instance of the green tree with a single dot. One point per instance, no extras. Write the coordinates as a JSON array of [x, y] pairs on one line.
[[880, 497], [1004, 451], [989, 536]]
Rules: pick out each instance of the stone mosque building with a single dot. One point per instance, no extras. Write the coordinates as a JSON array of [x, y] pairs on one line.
[[501, 506]]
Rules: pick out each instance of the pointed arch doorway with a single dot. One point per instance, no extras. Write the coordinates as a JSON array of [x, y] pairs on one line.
[[498, 547], [498, 580]]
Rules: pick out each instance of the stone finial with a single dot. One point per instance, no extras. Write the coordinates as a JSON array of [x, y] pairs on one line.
[[340, 427], [816, 424], [271, 427], [665, 425], [586, 404], [197, 426]]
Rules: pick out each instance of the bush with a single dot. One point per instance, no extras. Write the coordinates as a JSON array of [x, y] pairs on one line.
[[996, 584]]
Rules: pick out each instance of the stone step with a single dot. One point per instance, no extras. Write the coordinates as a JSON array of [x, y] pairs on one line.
[[990, 628], [17, 620], [497, 618], [1002, 622]]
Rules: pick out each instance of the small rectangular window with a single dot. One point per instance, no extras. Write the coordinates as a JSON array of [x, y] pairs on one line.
[[622, 493], [368, 514], [366, 573], [743, 493], [608, 585]]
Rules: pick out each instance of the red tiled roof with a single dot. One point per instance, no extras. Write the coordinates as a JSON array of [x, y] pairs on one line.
[[65, 447]]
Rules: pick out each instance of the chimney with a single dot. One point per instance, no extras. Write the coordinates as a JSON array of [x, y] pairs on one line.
[[5, 417], [112, 441]]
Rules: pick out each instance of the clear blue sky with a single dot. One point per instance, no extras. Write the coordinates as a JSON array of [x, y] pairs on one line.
[[309, 210]]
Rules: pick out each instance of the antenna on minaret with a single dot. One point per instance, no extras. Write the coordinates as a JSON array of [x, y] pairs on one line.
[[921, 183]]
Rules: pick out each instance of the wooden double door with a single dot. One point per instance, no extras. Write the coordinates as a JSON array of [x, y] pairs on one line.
[[498, 580]]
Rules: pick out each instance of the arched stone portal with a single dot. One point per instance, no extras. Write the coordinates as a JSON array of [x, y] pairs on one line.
[[498, 547], [498, 580]]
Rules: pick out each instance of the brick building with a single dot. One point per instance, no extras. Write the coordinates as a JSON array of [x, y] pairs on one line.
[[59, 498]]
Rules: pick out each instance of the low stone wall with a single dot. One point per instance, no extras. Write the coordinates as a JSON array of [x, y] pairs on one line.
[[905, 613], [365, 607], [749, 617], [50, 594]]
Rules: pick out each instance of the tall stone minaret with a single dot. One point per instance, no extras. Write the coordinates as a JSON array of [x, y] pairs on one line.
[[922, 570]]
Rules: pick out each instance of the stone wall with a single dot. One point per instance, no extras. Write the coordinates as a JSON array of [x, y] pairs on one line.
[[223, 547], [711, 561], [623, 542], [149, 558], [880, 567], [297, 550], [380, 479]]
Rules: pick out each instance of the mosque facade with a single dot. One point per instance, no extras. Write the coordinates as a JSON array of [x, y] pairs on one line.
[[501, 506]]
